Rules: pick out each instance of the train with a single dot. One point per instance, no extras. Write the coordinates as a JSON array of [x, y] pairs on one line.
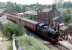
[[40, 29]]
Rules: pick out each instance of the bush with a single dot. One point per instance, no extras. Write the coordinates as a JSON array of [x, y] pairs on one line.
[[9, 29], [67, 18]]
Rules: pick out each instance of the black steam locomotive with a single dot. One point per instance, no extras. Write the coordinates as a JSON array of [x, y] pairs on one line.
[[40, 28]]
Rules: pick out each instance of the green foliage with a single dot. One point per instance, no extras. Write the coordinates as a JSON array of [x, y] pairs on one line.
[[17, 8], [10, 48], [2, 5], [31, 43], [13, 6], [67, 16], [10, 29], [32, 17], [22, 8]]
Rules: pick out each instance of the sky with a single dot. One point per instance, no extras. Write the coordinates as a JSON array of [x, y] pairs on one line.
[[32, 1]]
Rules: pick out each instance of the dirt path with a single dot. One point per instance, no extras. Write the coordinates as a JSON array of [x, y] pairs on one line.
[[1, 46], [4, 44]]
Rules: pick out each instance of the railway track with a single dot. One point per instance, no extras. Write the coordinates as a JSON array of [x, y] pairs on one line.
[[58, 46], [61, 47], [50, 46], [66, 45]]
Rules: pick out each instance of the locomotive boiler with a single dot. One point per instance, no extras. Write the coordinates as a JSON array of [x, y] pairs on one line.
[[41, 29]]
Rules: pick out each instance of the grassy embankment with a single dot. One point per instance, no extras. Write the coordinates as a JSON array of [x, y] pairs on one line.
[[25, 41], [31, 43]]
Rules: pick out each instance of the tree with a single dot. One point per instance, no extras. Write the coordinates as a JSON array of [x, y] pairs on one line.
[[23, 8], [10, 29], [67, 16], [13, 6], [10, 6], [67, 19], [17, 8]]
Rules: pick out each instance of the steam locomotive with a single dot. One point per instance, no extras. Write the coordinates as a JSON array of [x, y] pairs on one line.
[[40, 28]]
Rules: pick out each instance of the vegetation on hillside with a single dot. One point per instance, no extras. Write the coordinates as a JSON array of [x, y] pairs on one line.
[[31, 43], [25, 41], [22, 8], [10, 28], [68, 16]]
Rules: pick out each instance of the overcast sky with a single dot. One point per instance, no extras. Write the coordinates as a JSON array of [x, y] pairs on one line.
[[32, 1]]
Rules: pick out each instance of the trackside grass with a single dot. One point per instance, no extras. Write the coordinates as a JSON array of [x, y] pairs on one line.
[[31, 43]]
